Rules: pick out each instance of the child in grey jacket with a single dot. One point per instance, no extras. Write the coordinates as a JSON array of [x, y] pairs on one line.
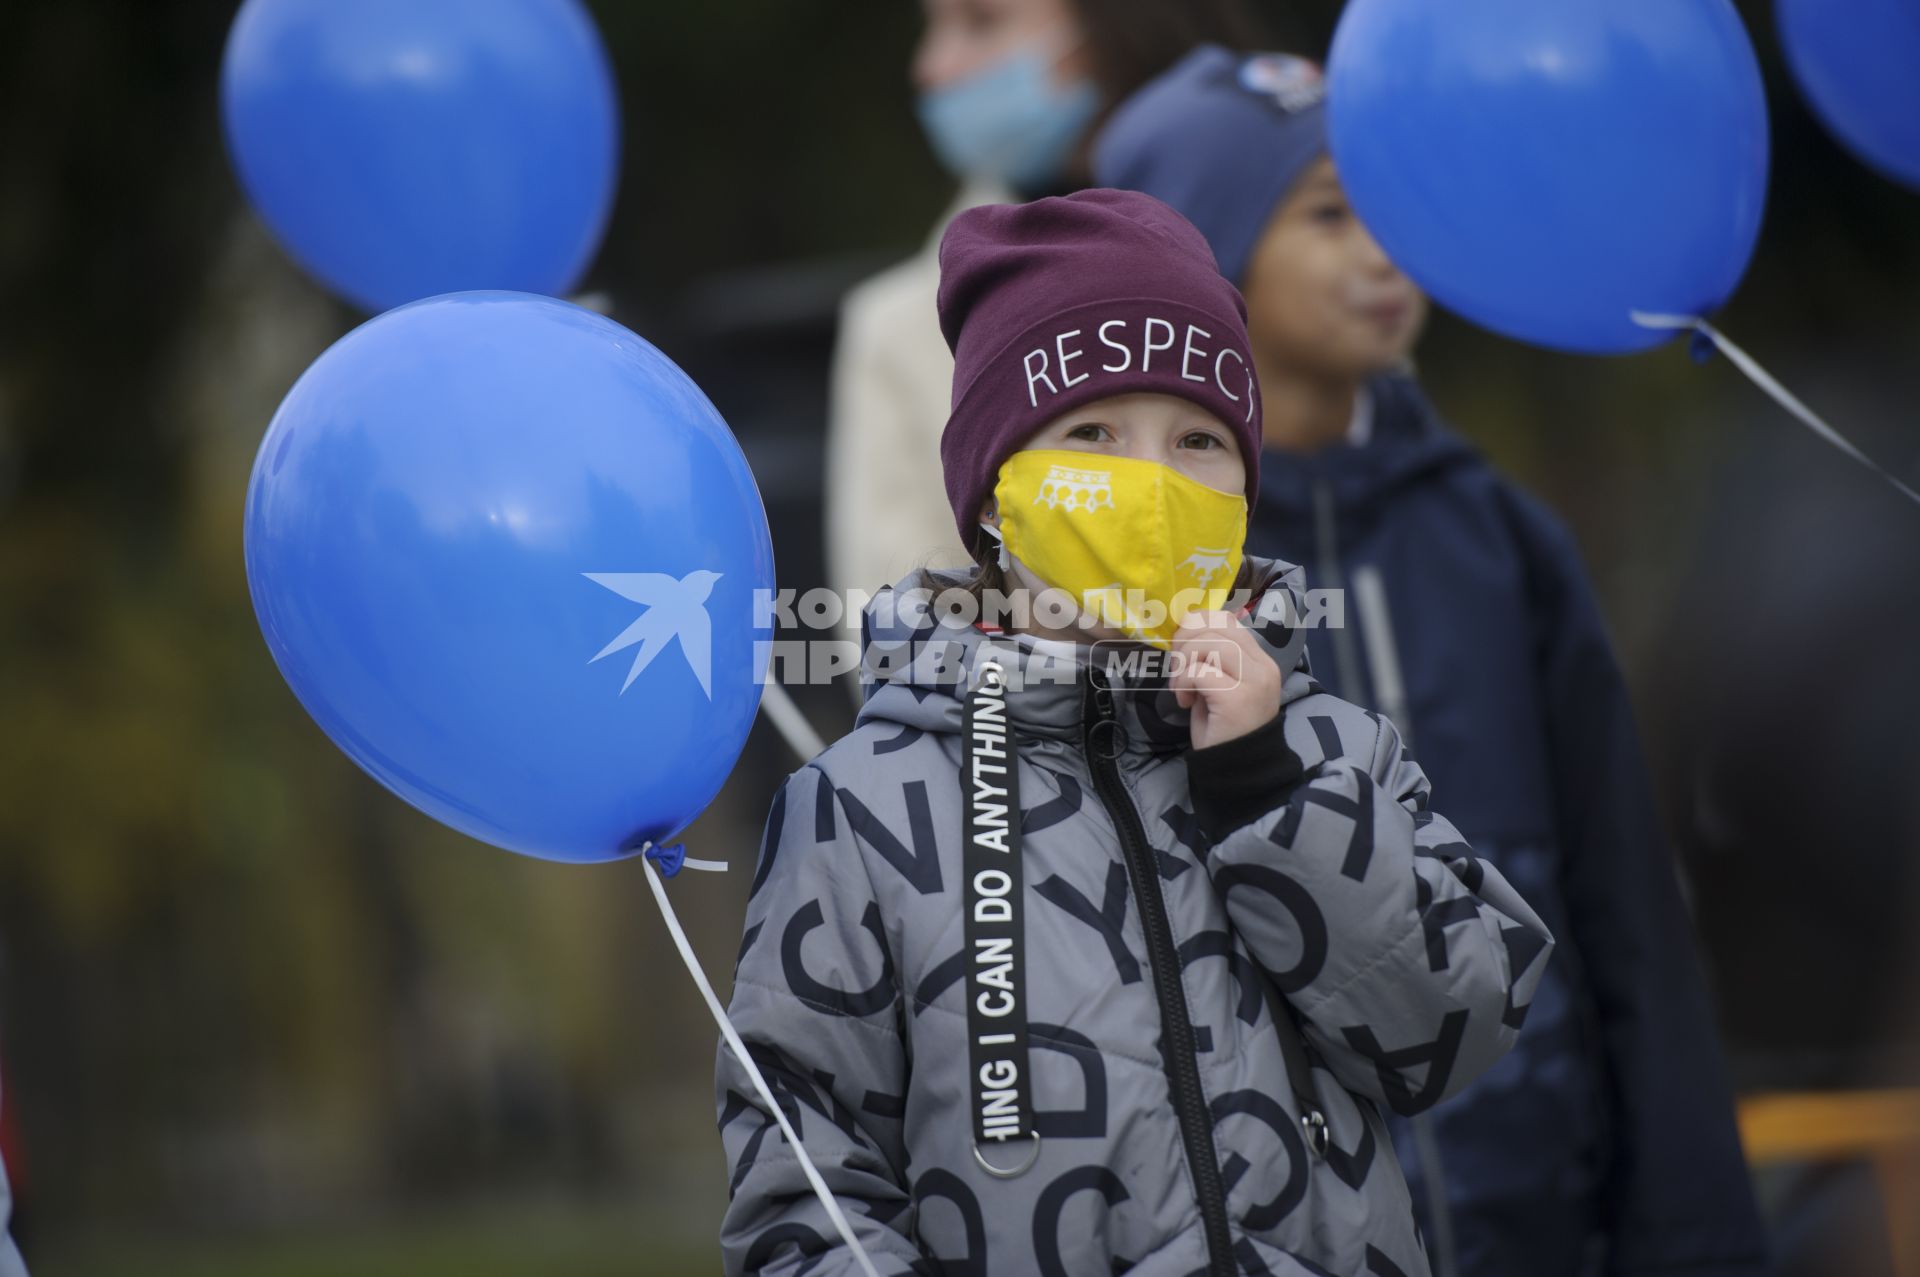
[[1104, 938]]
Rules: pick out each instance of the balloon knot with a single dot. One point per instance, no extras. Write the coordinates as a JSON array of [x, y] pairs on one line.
[[670, 859], [1701, 348]]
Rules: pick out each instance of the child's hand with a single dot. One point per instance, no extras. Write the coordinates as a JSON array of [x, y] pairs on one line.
[[1224, 676]]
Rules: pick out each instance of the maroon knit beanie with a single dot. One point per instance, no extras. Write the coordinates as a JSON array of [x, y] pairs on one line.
[[1060, 302]]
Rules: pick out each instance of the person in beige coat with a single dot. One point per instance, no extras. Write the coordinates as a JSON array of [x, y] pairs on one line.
[[886, 509]]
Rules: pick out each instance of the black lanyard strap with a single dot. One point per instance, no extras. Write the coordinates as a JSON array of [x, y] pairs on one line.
[[1293, 1051], [995, 930]]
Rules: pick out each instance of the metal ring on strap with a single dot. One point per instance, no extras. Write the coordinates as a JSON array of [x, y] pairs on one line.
[[1111, 745], [1314, 1123], [1017, 1171]]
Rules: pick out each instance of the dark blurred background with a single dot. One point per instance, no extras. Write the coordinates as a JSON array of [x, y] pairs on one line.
[[258, 1016]]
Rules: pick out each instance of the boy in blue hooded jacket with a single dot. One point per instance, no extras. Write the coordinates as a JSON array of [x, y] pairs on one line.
[[1605, 1142]]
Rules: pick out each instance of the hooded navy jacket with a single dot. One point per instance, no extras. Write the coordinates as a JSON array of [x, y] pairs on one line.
[[1605, 1142]]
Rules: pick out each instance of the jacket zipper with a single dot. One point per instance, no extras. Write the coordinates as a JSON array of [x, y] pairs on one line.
[[1176, 1023]]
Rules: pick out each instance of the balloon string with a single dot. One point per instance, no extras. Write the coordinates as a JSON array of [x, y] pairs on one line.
[[790, 722], [1778, 393], [753, 1070]]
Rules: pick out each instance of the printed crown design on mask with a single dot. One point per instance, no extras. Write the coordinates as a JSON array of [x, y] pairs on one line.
[[1065, 488], [1063, 301]]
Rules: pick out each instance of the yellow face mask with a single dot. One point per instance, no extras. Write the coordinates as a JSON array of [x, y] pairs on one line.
[[1137, 544]]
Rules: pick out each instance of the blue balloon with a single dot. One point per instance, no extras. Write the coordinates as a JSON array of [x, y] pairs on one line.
[[405, 148], [1547, 167], [507, 554], [1858, 62]]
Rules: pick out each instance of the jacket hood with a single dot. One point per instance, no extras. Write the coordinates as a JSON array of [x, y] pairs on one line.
[[922, 665], [1411, 441]]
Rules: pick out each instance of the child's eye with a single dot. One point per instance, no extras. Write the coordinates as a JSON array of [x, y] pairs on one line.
[[1091, 431], [1330, 214], [1200, 439]]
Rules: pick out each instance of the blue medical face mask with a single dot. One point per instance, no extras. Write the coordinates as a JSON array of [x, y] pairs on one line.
[[1010, 121]]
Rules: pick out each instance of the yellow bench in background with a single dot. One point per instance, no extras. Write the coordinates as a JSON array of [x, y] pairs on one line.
[[1881, 1127]]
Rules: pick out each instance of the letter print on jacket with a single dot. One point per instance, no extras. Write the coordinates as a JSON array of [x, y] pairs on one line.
[[1406, 963]]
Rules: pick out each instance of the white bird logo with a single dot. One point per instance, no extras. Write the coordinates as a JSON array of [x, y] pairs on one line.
[[676, 609]]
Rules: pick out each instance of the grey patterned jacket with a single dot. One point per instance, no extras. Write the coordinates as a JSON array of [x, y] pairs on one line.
[[1158, 921]]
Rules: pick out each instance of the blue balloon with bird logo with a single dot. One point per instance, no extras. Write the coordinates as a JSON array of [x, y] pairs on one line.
[[507, 555]]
